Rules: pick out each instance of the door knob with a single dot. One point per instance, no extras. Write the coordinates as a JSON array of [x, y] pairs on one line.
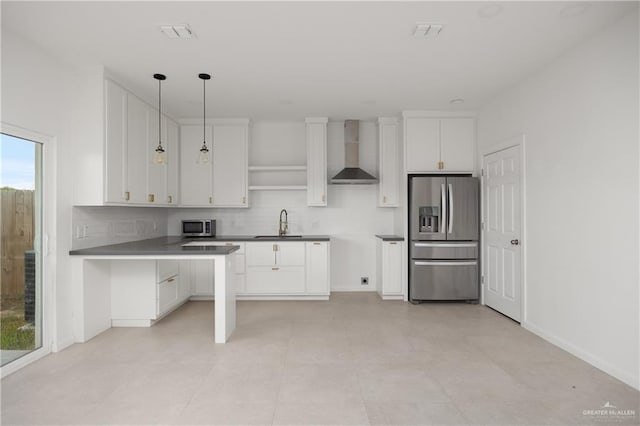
[[515, 242]]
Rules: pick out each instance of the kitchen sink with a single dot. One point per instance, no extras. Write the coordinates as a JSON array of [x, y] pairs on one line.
[[275, 237]]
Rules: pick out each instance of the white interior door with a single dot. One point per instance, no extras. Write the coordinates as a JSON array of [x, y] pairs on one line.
[[502, 232]]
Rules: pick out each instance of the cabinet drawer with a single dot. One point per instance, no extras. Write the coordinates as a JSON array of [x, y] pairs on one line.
[[168, 294], [275, 280], [167, 269]]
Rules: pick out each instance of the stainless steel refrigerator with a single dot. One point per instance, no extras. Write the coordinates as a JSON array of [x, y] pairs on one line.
[[443, 220]]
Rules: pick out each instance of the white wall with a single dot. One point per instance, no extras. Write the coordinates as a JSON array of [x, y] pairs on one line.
[[580, 118], [36, 95]]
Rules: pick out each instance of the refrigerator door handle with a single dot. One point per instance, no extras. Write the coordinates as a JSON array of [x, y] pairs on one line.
[[450, 220], [443, 201], [439, 263], [439, 244]]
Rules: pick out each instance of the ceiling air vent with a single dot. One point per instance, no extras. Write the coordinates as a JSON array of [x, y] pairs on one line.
[[427, 30], [177, 31]]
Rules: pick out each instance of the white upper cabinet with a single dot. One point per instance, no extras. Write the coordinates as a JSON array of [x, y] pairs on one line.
[[222, 182], [196, 179], [115, 143], [230, 158], [389, 148], [170, 143], [434, 143], [116, 138], [317, 161], [162, 179], [457, 137]]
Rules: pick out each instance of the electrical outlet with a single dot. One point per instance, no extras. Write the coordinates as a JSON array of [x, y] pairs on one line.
[[364, 280], [78, 232], [85, 231]]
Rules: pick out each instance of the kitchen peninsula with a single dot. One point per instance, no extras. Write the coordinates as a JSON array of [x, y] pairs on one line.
[[137, 283]]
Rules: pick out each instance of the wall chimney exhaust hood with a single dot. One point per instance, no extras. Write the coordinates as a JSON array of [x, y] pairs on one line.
[[352, 173]]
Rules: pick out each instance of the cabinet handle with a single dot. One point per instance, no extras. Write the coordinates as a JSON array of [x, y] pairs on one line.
[[275, 269], [244, 200], [323, 198], [170, 280], [228, 244], [151, 198], [210, 200], [316, 244], [384, 199], [170, 199], [127, 195], [393, 243], [275, 247]]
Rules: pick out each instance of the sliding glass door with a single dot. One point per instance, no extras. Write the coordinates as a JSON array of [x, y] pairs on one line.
[[21, 301]]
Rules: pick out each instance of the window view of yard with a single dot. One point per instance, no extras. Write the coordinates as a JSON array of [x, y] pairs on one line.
[[18, 279]]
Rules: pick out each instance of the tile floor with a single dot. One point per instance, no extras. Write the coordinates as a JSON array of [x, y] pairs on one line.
[[352, 360]]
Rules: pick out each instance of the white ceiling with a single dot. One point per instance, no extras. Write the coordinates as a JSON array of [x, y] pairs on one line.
[[277, 60]]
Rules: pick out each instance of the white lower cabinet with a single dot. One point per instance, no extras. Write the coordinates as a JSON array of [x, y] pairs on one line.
[[275, 268], [143, 291], [317, 265], [389, 269], [282, 269]]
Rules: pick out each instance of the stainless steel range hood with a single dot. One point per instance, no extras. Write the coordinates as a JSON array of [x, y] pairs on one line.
[[352, 173]]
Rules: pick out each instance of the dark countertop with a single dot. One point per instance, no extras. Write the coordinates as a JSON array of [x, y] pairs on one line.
[[390, 237], [172, 245], [245, 238], [154, 246]]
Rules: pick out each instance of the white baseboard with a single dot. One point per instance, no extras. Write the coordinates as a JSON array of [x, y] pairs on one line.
[[62, 344], [597, 362], [392, 297], [263, 297], [365, 289], [131, 323]]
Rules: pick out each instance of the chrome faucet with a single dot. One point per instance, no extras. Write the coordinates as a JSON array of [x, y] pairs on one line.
[[284, 225]]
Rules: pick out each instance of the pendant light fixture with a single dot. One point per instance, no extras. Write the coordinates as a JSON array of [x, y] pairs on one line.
[[203, 157], [160, 156]]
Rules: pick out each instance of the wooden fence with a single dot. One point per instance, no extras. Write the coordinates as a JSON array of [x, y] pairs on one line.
[[17, 219]]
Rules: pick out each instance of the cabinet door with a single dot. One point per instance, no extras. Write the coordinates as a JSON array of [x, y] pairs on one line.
[[202, 277], [195, 178], [317, 162], [392, 267], [168, 294], [115, 141], [157, 173], [171, 142], [422, 136], [457, 137], [317, 268], [389, 188], [137, 142], [230, 165], [261, 254], [290, 254]]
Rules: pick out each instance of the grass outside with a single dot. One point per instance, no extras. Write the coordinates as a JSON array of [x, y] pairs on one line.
[[12, 337]]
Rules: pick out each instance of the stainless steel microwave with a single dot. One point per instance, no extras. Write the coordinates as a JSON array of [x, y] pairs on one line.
[[199, 228]]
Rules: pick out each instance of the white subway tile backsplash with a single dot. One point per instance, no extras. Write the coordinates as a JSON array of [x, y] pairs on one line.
[[97, 226]]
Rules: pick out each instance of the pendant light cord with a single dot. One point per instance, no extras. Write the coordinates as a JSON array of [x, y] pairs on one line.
[[159, 113], [204, 111]]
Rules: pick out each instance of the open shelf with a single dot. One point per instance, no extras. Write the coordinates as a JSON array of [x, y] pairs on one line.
[[277, 188], [277, 168]]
